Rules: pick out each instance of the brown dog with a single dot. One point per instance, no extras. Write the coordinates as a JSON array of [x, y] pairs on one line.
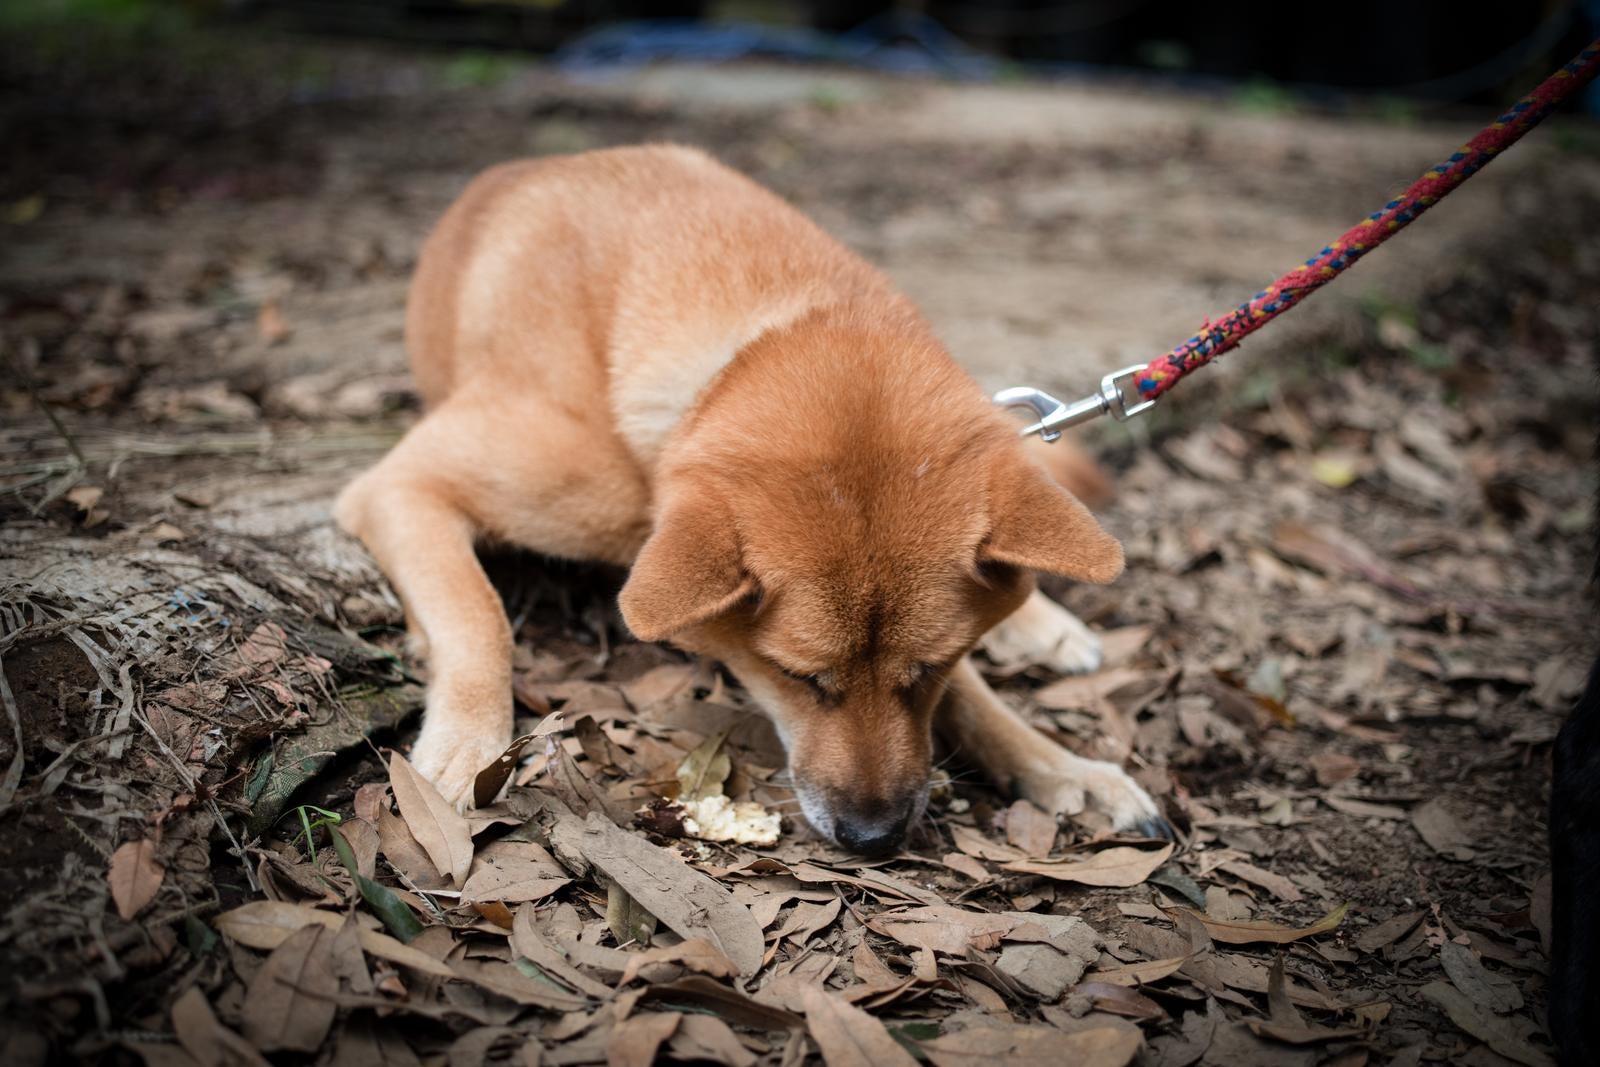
[[638, 356]]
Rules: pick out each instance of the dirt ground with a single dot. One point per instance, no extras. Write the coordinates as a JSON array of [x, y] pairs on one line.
[[1354, 613]]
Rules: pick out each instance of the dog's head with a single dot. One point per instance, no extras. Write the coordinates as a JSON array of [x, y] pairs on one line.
[[843, 562]]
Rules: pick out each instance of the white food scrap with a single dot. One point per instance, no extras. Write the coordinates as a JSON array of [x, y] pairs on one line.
[[716, 818]]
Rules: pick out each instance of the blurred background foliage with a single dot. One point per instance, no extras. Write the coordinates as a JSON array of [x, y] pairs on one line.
[[1442, 51]]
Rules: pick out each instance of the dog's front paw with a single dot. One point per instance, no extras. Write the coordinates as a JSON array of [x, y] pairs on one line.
[[1074, 783], [1042, 633], [450, 756]]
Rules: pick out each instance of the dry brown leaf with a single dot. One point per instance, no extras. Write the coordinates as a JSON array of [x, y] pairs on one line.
[[1239, 932], [441, 830], [475, 1048], [635, 1041], [953, 931], [404, 854], [135, 876], [1276, 884], [1120, 1000], [271, 325], [1388, 932], [493, 912], [1189, 1047], [696, 954], [1118, 867], [975, 844], [807, 920], [964, 864], [347, 962], [1030, 829], [1131, 974], [790, 981], [1084, 690], [1482, 986], [266, 645], [688, 902], [84, 497], [365, 1041], [705, 1038], [512, 872], [493, 778], [1221, 904], [708, 993], [600, 750], [266, 924], [1285, 1023], [1410, 475], [1199, 454], [1238, 971], [848, 1036], [1508, 1037], [705, 769], [1331, 768], [531, 940], [1363, 809], [1123, 644], [508, 981], [364, 842], [1242, 703], [873, 881], [1442, 831], [290, 1005], [870, 969], [1330, 551], [207, 1041], [658, 685], [626, 918], [164, 533], [1043, 971], [1033, 1046]]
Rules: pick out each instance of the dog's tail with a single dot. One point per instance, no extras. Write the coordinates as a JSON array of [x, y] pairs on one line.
[[1074, 470]]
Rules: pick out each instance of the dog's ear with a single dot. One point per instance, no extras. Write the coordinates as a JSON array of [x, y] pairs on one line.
[[688, 571], [1038, 525]]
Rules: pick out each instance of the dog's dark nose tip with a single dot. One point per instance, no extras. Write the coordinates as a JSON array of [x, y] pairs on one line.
[[871, 838]]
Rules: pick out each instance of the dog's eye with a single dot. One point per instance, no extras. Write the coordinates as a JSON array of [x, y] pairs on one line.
[[917, 675], [813, 682]]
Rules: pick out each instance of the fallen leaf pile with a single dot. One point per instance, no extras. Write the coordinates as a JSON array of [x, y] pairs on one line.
[[580, 918], [1351, 622]]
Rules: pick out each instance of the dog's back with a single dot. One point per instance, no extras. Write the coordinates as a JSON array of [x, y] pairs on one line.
[[656, 262]]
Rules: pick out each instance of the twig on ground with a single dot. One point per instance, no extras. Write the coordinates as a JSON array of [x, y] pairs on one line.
[[13, 775], [190, 784]]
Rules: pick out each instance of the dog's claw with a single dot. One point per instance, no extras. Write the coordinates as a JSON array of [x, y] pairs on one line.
[[1156, 828]]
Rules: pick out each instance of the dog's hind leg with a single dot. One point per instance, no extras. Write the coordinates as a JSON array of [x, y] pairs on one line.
[[1042, 633], [1018, 758], [470, 471]]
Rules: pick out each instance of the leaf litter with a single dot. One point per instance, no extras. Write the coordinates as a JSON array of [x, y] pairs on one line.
[[1335, 659]]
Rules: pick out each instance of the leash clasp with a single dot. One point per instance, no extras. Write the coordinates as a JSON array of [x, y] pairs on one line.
[[1056, 415]]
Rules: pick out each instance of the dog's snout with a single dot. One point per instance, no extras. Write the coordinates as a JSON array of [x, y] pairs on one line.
[[872, 836]]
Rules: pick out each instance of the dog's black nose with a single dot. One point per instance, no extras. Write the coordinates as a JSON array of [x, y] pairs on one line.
[[873, 838]]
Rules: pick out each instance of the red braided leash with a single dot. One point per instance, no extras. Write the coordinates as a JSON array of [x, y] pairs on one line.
[[1225, 333]]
